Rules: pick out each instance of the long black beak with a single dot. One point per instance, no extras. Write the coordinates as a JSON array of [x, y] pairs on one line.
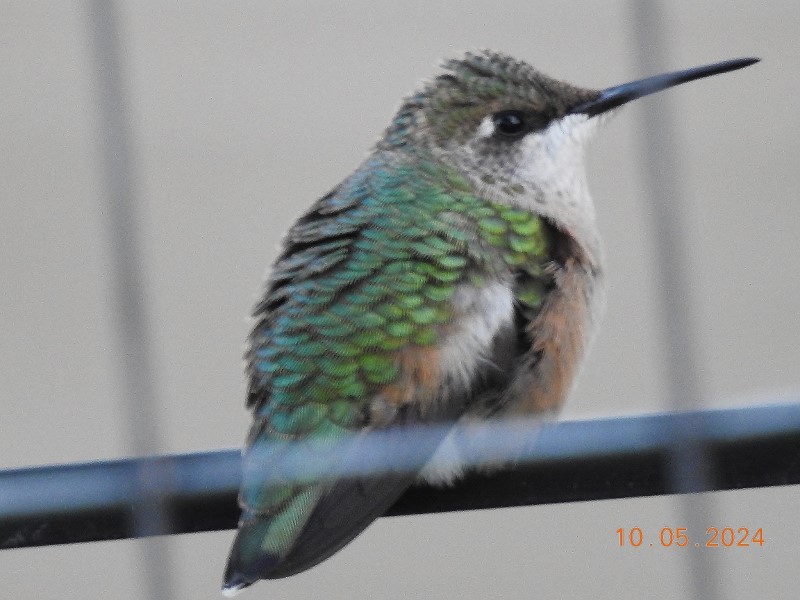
[[620, 94]]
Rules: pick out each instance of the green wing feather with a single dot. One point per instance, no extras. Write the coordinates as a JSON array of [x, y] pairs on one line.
[[369, 270]]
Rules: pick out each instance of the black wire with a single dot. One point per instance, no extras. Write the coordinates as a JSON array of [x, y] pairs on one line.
[[572, 461]]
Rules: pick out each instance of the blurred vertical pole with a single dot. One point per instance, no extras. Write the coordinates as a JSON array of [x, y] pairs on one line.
[[688, 468], [133, 329]]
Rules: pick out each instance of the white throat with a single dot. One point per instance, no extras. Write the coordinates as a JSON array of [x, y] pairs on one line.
[[547, 176]]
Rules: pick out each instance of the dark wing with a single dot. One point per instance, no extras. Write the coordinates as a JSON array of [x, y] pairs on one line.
[[351, 504], [323, 515], [344, 301]]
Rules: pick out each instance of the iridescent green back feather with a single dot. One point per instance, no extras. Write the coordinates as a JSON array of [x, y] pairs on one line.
[[369, 271]]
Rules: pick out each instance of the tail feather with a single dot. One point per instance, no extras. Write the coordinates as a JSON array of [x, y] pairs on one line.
[[317, 519], [344, 512], [248, 561], [233, 586]]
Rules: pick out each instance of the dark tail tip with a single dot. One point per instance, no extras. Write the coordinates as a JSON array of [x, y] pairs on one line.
[[236, 580], [246, 565], [234, 583]]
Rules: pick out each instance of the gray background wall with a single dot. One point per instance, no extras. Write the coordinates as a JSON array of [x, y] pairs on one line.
[[242, 114]]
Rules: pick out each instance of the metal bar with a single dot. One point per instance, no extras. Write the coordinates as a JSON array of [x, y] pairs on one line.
[[568, 462], [690, 466], [136, 369]]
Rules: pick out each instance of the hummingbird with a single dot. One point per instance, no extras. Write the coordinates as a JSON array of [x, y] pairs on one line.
[[456, 275]]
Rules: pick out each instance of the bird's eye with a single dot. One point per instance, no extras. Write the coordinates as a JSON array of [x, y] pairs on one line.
[[510, 124]]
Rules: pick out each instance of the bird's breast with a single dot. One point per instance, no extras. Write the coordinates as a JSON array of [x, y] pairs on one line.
[[447, 372]]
